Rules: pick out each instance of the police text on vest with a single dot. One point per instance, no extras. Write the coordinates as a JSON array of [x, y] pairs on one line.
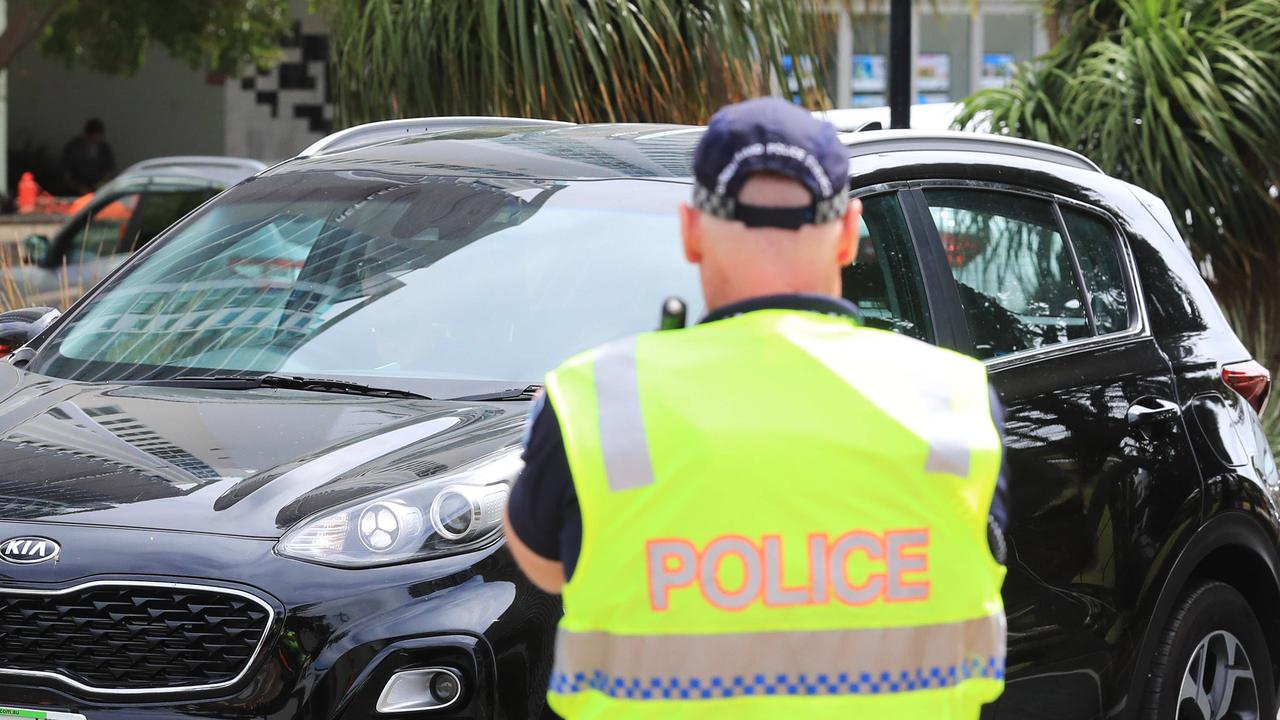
[[894, 565]]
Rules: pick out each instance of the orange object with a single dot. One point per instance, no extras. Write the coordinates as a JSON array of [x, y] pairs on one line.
[[48, 204], [115, 211], [79, 202], [27, 191]]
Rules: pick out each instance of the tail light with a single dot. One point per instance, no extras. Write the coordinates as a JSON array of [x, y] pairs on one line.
[[1251, 380]]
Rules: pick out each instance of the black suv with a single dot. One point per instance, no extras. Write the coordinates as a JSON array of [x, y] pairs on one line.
[[258, 470]]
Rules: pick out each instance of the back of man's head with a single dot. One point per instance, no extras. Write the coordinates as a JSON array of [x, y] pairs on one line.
[[94, 127], [770, 213]]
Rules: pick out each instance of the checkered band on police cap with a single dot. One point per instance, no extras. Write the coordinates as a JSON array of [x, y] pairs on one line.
[[722, 206], [770, 135]]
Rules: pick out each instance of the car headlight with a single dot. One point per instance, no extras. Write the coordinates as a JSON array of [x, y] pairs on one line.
[[441, 516]]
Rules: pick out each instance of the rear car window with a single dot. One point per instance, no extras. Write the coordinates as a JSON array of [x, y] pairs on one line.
[[1098, 251], [883, 281], [1013, 266]]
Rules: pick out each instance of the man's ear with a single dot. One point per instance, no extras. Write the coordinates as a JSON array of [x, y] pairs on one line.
[[691, 233], [847, 248]]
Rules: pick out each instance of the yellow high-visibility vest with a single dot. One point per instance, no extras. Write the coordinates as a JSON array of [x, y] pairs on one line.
[[784, 515]]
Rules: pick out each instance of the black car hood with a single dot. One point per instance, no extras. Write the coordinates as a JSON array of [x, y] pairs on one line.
[[232, 462]]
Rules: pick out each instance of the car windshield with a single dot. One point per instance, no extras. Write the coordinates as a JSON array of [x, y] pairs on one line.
[[402, 282]]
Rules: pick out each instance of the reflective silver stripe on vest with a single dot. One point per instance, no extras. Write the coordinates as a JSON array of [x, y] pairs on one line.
[[949, 450], [948, 455], [622, 440], [968, 648]]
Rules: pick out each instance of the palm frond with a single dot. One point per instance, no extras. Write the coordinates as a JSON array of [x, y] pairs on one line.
[[579, 60], [1181, 97]]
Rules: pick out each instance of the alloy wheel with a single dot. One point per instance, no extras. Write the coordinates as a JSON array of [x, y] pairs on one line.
[[1218, 683]]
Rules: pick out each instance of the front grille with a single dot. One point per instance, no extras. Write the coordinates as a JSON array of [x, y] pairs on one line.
[[132, 637]]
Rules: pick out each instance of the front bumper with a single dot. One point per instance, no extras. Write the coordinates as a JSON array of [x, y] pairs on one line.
[[339, 637]]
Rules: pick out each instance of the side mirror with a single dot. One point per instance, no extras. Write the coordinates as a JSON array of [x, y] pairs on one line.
[[36, 249], [19, 327]]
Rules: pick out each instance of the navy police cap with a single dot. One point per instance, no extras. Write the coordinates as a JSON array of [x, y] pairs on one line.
[[770, 135]]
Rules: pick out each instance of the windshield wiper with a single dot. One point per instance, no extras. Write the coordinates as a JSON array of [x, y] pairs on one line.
[[526, 393], [283, 382]]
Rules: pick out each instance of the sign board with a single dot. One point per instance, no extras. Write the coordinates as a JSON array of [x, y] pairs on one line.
[[933, 72], [870, 74], [997, 69]]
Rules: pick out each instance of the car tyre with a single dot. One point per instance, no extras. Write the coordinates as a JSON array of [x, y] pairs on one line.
[[1212, 662]]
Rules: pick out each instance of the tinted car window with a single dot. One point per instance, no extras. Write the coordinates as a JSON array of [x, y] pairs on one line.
[[103, 232], [1098, 251], [1014, 270], [157, 211], [884, 281]]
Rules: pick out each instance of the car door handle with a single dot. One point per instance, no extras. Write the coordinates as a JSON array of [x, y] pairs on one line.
[[1149, 410]]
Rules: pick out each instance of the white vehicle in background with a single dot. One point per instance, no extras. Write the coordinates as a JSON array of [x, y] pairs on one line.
[[124, 215], [930, 117]]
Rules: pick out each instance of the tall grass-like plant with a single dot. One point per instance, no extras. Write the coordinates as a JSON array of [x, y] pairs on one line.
[[576, 60], [14, 293], [1181, 97]]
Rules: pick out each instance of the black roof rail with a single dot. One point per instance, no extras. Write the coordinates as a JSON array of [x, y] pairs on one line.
[[378, 132], [871, 142]]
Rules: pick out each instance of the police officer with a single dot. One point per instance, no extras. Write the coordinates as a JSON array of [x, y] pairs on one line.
[[778, 512]]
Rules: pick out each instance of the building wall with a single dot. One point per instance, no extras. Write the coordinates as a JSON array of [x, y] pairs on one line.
[[165, 109], [947, 36], [273, 114], [958, 46], [4, 115], [1012, 33]]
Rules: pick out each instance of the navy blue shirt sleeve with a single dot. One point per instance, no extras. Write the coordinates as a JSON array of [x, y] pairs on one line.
[[1000, 501], [544, 505]]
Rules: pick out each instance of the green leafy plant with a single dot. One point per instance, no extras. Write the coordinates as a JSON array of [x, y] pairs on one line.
[[220, 35], [1181, 97], [578, 60]]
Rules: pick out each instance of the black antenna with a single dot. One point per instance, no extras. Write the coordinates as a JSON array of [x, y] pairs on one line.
[[674, 314]]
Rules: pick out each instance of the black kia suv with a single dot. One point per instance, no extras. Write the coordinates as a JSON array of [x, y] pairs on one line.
[[258, 471]]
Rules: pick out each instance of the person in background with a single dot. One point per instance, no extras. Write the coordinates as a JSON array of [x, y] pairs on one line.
[[87, 160], [777, 513]]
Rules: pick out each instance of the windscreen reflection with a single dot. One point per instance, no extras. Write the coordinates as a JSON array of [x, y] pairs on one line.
[[372, 276]]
